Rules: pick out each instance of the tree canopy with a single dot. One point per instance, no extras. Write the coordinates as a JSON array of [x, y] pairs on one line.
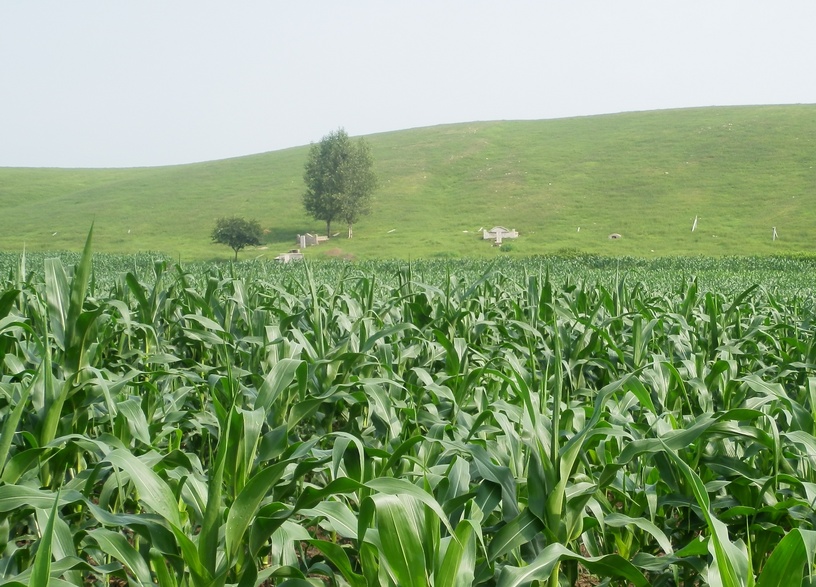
[[237, 233], [339, 180]]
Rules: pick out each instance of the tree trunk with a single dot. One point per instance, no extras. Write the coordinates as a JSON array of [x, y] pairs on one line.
[[350, 231], [328, 228], [236, 255]]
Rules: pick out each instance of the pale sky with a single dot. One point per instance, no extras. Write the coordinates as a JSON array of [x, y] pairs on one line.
[[104, 83]]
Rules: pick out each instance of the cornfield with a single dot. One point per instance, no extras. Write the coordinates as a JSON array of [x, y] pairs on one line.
[[329, 425]]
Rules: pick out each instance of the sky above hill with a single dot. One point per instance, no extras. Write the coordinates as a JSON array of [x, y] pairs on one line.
[[96, 83]]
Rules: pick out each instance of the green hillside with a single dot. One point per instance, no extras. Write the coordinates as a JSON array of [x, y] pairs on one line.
[[740, 170]]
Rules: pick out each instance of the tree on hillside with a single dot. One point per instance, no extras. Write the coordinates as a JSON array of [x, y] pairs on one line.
[[339, 180], [237, 233]]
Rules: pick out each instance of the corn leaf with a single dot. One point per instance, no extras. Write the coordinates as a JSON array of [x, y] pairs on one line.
[[117, 546], [153, 490], [41, 570], [794, 554], [540, 569]]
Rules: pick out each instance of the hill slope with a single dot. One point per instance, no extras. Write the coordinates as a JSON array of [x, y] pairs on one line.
[[740, 170]]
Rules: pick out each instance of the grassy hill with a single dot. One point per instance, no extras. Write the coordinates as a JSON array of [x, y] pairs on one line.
[[740, 170]]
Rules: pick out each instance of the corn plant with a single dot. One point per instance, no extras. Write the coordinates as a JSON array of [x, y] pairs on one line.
[[431, 424]]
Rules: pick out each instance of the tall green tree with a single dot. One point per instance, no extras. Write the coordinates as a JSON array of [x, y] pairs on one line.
[[340, 180]]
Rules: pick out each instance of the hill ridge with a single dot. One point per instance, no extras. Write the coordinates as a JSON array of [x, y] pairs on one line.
[[646, 175]]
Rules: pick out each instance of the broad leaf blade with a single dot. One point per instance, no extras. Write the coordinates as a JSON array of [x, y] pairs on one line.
[[152, 488]]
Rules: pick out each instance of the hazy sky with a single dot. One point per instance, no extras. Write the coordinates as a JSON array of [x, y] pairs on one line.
[[103, 83]]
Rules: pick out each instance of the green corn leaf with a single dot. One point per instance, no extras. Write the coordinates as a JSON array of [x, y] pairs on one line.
[[62, 545], [152, 489], [619, 520], [152, 526], [249, 577], [500, 475], [278, 379], [135, 418], [212, 522], [10, 424], [189, 553], [569, 453], [311, 496], [252, 423], [204, 322], [639, 390], [354, 463], [540, 569], [459, 562], [399, 521], [301, 583], [74, 328], [385, 332], [392, 486], [282, 543], [117, 546], [7, 302], [57, 295], [374, 572], [62, 567], [518, 531], [338, 515], [247, 502], [14, 497], [139, 293], [164, 577], [379, 401], [76, 355], [337, 556], [41, 570], [788, 561], [301, 410], [732, 565]]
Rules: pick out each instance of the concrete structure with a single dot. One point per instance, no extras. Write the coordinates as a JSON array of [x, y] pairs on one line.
[[292, 255], [498, 233], [309, 240]]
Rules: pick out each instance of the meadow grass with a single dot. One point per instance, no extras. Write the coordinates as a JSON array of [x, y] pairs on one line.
[[740, 170]]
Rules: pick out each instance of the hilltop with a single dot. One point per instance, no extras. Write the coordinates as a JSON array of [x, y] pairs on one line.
[[646, 175]]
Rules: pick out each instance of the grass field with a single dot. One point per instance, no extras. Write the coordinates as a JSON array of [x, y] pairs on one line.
[[740, 170]]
